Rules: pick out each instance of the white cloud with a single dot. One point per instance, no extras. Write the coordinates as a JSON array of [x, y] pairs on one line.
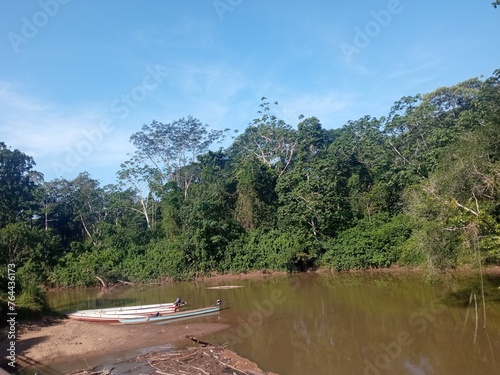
[[63, 141], [9, 98]]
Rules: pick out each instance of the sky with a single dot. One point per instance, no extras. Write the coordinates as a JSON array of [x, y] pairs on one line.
[[78, 78]]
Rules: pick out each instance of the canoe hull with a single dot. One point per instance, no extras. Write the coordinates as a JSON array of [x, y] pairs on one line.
[[131, 309], [172, 316], [144, 316], [95, 319]]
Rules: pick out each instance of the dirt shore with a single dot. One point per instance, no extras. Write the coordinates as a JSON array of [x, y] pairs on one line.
[[53, 341]]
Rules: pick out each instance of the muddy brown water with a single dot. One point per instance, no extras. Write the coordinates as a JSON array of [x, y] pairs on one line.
[[355, 323]]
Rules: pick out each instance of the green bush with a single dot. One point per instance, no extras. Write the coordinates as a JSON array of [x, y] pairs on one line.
[[433, 246], [268, 250], [85, 268], [31, 302], [374, 242], [161, 259]]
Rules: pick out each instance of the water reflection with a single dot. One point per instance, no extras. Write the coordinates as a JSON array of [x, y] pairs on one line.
[[359, 323]]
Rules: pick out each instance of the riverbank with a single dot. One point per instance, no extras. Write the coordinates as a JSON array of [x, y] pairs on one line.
[[53, 341], [263, 274]]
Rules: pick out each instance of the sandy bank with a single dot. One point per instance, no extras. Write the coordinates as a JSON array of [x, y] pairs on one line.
[[54, 341]]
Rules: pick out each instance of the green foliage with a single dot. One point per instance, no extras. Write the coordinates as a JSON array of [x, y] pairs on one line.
[[268, 250], [312, 198], [373, 243], [17, 185], [489, 245], [255, 205], [161, 259], [418, 187], [85, 268], [31, 300], [267, 138], [311, 138], [437, 245], [32, 250]]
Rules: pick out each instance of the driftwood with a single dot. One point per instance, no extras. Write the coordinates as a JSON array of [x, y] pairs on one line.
[[105, 288], [206, 360], [204, 343], [102, 282], [90, 372], [126, 282]]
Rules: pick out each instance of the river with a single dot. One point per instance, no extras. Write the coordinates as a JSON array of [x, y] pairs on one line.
[[365, 323]]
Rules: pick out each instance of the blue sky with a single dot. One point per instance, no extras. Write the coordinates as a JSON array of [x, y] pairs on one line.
[[77, 78]]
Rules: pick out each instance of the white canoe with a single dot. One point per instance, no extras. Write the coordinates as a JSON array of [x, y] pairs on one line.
[[131, 309], [103, 318], [173, 316]]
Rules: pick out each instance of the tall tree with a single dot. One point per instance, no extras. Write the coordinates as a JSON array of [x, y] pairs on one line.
[[311, 138], [17, 185], [89, 205], [167, 148], [143, 180], [163, 153], [206, 219], [313, 197], [268, 139], [363, 146], [256, 197], [420, 127], [57, 211]]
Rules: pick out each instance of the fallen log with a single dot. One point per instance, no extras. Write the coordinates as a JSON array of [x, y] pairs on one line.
[[204, 343]]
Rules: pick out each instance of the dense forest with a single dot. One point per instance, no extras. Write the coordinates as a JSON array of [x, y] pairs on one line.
[[417, 187]]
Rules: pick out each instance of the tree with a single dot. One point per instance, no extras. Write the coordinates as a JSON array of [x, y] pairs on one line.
[[460, 198], [312, 197], [256, 197], [142, 180], [420, 127], [57, 212], [167, 148], [311, 138], [364, 148], [29, 248], [17, 185], [89, 205], [205, 216], [268, 139], [164, 153], [75, 209]]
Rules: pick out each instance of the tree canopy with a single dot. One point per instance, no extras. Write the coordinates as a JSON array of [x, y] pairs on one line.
[[419, 186]]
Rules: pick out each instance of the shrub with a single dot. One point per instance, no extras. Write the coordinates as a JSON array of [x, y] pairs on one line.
[[374, 242]]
